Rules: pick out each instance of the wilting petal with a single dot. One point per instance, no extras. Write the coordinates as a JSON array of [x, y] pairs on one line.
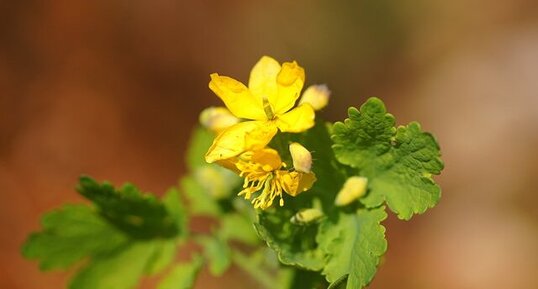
[[244, 136], [295, 183], [290, 81], [298, 119], [217, 118], [262, 82], [316, 95], [237, 97]]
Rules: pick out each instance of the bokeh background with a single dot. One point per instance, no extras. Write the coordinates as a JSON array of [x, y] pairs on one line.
[[113, 88]]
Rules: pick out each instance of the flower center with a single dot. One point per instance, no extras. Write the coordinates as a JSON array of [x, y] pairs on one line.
[[267, 108]]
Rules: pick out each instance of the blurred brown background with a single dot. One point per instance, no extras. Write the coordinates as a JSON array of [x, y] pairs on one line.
[[112, 89]]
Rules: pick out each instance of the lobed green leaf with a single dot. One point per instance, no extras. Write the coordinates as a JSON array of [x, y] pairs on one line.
[[399, 164], [353, 244], [71, 234]]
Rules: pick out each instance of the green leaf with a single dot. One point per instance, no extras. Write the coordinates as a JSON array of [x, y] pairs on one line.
[[70, 234], [176, 210], [238, 228], [163, 256], [399, 164], [353, 244], [365, 135], [217, 252], [182, 275], [141, 216], [119, 240], [121, 270], [295, 245]]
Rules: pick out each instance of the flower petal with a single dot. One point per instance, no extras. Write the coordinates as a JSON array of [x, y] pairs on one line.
[[237, 97], [262, 82], [294, 183], [244, 136], [268, 158], [298, 119], [290, 81]]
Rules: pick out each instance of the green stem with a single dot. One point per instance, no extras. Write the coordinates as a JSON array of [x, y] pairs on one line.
[[245, 263]]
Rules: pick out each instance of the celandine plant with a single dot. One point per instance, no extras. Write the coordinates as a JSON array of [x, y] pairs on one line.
[[312, 195]]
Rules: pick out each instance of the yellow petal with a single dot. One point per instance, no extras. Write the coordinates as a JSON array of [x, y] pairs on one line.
[[268, 158], [354, 188], [241, 137], [229, 164], [298, 119], [295, 182], [262, 82], [237, 97], [217, 118], [290, 81], [316, 95], [302, 158]]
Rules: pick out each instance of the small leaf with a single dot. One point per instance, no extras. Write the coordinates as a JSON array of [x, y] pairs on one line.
[[119, 271], [183, 275], [353, 244]]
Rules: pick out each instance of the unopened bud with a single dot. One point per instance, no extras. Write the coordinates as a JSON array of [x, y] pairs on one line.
[[302, 159], [354, 188], [316, 95], [306, 216], [217, 118]]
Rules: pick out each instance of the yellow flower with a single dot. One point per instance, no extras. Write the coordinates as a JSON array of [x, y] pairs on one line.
[[266, 103], [263, 172]]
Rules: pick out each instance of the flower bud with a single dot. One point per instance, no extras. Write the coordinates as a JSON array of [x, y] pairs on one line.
[[306, 216], [354, 188], [316, 95], [217, 182], [217, 119], [302, 159]]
